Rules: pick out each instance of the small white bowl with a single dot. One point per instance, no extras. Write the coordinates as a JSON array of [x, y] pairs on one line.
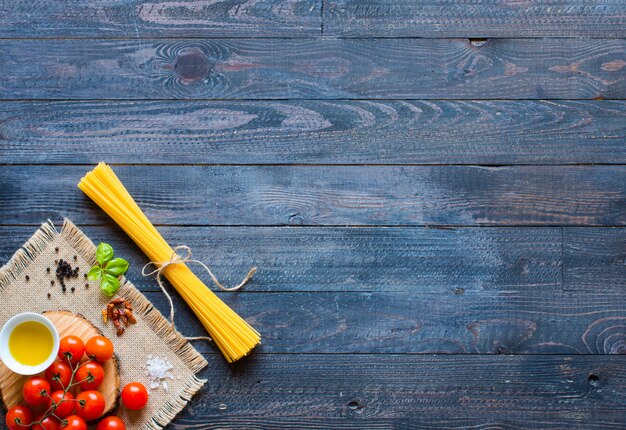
[[5, 353]]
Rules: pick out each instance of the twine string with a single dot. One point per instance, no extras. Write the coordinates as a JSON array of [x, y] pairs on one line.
[[175, 258]]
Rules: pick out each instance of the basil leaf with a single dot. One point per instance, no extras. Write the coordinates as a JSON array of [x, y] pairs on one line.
[[109, 285], [95, 273], [117, 267], [104, 253]]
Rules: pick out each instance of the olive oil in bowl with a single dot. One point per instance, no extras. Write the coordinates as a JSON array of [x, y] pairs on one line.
[[31, 343]]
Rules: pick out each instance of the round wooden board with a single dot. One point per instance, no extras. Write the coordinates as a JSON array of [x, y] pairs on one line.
[[66, 323]]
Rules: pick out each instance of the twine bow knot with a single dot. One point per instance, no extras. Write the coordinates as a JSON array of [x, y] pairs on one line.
[[175, 258]]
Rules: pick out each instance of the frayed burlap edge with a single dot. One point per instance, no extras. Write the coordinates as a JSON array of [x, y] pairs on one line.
[[28, 252], [142, 306]]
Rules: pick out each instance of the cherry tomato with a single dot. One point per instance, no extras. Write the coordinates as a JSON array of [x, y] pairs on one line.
[[59, 375], [36, 391], [63, 403], [100, 348], [19, 418], [135, 396], [73, 422], [71, 349], [47, 423], [111, 423], [90, 405], [89, 376]]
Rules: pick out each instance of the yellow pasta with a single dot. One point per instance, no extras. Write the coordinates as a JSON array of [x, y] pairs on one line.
[[231, 333]]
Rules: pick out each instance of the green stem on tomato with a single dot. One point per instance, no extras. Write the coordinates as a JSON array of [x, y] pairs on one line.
[[54, 405], [79, 382]]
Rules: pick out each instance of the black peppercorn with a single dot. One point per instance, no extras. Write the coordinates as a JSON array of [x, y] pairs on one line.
[[56, 249], [48, 269], [75, 258], [49, 295], [52, 282], [65, 271], [86, 285], [27, 277], [73, 289]]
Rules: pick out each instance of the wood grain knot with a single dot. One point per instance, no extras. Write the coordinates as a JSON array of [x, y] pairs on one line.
[[296, 219], [192, 66], [355, 406], [477, 42]]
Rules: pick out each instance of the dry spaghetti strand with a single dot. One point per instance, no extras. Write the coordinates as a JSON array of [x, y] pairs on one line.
[[231, 333]]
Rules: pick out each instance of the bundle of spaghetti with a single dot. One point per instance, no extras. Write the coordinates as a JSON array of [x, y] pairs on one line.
[[231, 333]]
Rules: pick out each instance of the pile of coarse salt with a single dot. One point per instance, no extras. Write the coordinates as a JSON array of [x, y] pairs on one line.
[[158, 371]]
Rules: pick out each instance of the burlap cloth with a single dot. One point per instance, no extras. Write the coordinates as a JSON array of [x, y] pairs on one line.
[[151, 335]]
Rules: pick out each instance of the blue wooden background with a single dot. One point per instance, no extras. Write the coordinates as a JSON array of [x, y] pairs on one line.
[[434, 193]]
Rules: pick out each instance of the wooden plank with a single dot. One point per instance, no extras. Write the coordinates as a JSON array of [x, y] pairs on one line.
[[476, 319], [314, 132], [308, 68], [408, 392], [479, 316], [467, 18], [330, 195], [160, 18], [594, 259], [475, 322], [353, 259]]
